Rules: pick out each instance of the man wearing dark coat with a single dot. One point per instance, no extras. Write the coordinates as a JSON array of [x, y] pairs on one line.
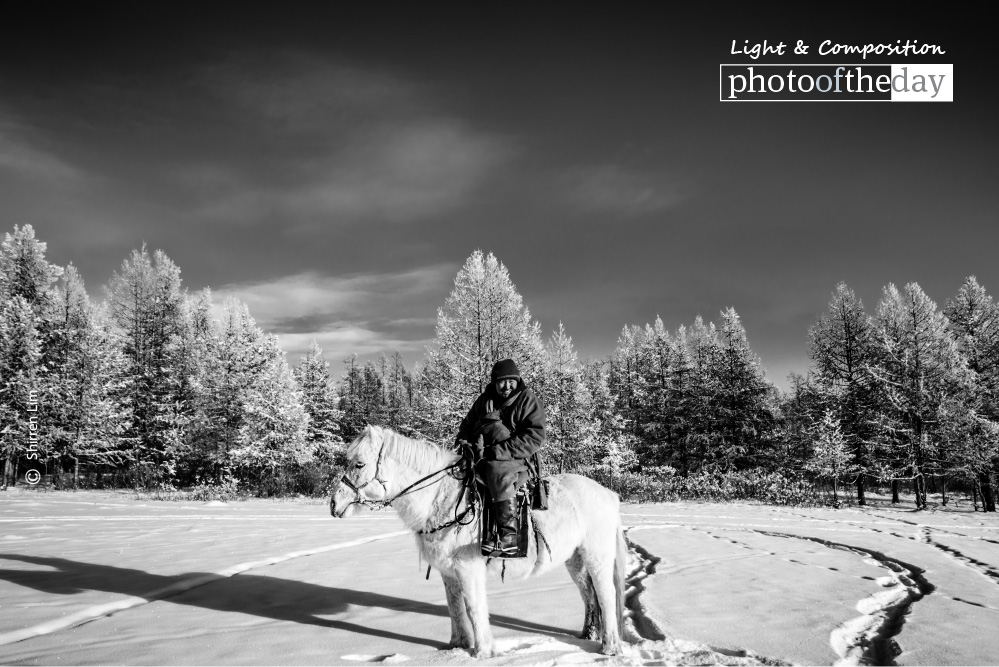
[[511, 422]]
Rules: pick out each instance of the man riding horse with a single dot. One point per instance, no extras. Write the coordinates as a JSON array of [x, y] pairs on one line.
[[506, 428]]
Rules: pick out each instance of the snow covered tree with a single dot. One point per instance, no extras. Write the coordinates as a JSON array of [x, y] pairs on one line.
[[86, 381], [695, 399], [687, 399], [399, 394], [801, 407], [272, 436], [194, 352], [974, 318], [655, 410], [251, 423], [831, 456], [918, 366], [320, 402], [482, 321], [362, 394], [841, 345], [969, 442], [26, 284], [624, 375], [20, 392], [146, 301], [743, 402], [567, 405], [24, 271]]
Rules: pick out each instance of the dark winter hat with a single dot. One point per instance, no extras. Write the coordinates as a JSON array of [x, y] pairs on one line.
[[505, 368]]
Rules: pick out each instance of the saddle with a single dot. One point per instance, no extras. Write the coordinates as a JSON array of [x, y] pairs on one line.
[[533, 495]]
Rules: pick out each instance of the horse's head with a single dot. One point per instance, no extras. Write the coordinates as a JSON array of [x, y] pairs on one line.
[[362, 482]]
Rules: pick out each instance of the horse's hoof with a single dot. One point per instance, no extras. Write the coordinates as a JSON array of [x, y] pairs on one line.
[[483, 653], [611, 648]]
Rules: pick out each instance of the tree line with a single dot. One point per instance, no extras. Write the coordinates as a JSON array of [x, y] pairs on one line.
[[152, 387]]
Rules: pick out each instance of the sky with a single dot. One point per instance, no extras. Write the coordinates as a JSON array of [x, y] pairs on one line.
[[334, 166]]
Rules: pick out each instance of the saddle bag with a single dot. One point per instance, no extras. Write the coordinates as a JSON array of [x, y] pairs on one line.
[[539, 494]]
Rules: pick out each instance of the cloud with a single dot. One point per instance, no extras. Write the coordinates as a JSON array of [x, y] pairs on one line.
[[363, 314], [299, 92], [614, 189], [342, 145], [339, 344], [17, 153]]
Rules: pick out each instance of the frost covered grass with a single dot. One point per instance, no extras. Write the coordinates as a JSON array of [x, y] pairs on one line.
[[663, 484], [101, 577]]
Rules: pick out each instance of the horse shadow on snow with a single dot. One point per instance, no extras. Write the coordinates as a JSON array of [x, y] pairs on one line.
[[264, 596]]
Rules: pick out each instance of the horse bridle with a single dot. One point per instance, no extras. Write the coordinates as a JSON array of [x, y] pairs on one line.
[[358, 498], [382, 504]]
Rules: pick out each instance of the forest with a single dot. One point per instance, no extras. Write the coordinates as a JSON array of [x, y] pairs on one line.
[[155, 388]]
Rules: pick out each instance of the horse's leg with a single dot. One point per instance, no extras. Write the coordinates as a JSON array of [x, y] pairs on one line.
[[471, 573], [591, 613], [461, 630], [601, 563]]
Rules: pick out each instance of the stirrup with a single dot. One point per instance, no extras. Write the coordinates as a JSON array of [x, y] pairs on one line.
[[509, 548], [507, 552]]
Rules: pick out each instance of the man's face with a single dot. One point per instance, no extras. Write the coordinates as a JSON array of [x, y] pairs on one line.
[[506, 386]]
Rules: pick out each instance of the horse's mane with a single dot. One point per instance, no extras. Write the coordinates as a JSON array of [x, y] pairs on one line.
[[420, 455]]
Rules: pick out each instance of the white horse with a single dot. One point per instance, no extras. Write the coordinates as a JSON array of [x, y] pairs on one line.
[[581, 528]]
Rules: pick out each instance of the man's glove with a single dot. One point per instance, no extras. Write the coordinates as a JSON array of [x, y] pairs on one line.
[[491, 428], [475, 449]]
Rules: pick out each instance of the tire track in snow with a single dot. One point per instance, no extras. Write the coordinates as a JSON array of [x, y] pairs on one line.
[[870, 637], [98, 611]]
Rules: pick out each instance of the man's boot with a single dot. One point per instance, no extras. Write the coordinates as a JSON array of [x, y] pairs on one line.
[[505, 511]]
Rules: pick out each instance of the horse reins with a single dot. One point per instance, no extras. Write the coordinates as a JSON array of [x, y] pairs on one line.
[[382, 504]]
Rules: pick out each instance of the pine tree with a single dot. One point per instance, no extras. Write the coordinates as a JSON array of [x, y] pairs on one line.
[[703, 352], [687, 399], [974, 318], [353, 418], [320, 401], [272, 439], [399, 391], [20, 394], [801, 408], [607, 440], [198, 457], [24, 271], [482, 321], [26, 288], [918, 366], [86, 380], [625, 376], [567, 405], [831, 458], [841, 346], [745, 417], [146, 302], [251, 423], [656, 356]]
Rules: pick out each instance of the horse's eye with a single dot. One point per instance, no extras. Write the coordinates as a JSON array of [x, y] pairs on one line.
[[359, 464]]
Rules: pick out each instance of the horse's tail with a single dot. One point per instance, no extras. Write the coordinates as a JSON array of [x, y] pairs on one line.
[[620, 572]]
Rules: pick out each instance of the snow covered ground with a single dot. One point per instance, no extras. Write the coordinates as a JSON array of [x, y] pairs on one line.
[[98, 578]]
